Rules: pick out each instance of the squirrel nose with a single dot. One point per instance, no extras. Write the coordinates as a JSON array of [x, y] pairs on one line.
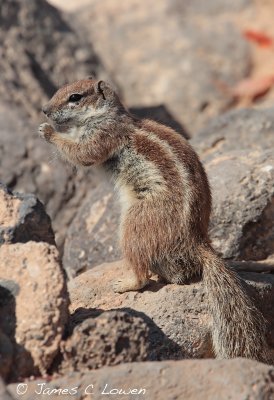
[[45, 109]]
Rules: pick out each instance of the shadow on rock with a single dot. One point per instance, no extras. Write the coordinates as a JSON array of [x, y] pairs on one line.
[[16, 362], [160, 114]]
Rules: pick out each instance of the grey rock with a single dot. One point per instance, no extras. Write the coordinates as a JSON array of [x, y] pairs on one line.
[[208, 8], [243, 204], [248, 129], [39, 52], [185, 66], [92, 237], [23, 219]]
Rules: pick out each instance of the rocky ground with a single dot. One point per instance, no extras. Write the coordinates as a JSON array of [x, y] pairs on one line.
[[172, 64]]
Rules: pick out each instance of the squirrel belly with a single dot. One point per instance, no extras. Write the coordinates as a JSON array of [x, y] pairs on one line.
[[166, 205]]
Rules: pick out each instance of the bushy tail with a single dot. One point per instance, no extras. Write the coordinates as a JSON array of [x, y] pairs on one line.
[[239, 329]]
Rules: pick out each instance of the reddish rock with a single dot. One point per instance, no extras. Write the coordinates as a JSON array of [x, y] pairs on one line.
[[236, 379], [35, 309]]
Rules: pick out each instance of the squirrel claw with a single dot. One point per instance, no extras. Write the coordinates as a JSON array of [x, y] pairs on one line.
[[45, 131]]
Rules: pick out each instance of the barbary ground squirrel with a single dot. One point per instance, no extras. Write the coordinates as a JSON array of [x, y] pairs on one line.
[[166, 204]]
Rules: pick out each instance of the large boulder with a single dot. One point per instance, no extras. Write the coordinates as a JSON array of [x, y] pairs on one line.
[[177, 316], [242, 222], [108, 338], [34, 305], [248, 129], [184, 66], [236, 379]]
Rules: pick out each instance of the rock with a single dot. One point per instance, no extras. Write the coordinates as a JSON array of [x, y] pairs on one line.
[[249, 129], [34, 305], [185, 66], [23, 219], [93, 235], [243, 204], [111, 338], [177, 316], [37, 45], [4, 395], [209, 8], [237, 379]]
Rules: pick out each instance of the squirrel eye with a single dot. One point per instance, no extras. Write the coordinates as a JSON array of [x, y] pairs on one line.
[[75, 97]]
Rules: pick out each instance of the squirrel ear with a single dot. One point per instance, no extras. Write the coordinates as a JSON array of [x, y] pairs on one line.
[[103, 89]]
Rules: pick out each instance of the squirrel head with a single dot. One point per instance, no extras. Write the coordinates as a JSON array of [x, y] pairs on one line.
[[83, 100]]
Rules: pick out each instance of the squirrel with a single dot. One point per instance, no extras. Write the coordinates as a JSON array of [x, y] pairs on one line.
[[166, 205]]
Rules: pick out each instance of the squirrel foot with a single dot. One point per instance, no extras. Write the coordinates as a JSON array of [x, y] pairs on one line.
[[128, 284]]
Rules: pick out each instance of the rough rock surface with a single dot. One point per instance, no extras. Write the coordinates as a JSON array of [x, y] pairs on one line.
[[177, 316], [243, 204], [34, 304], [236, 379], [249, 129], [39, 52], [92, 237], [110, 338], [184, 66], [23, 219]]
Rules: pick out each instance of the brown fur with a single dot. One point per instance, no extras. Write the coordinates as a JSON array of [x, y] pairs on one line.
[[166, 204]]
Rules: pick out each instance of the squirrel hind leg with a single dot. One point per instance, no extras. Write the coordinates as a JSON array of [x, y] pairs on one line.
[[132, 281]]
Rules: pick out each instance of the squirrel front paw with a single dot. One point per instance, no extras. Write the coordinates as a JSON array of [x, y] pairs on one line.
[[46, 131]]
